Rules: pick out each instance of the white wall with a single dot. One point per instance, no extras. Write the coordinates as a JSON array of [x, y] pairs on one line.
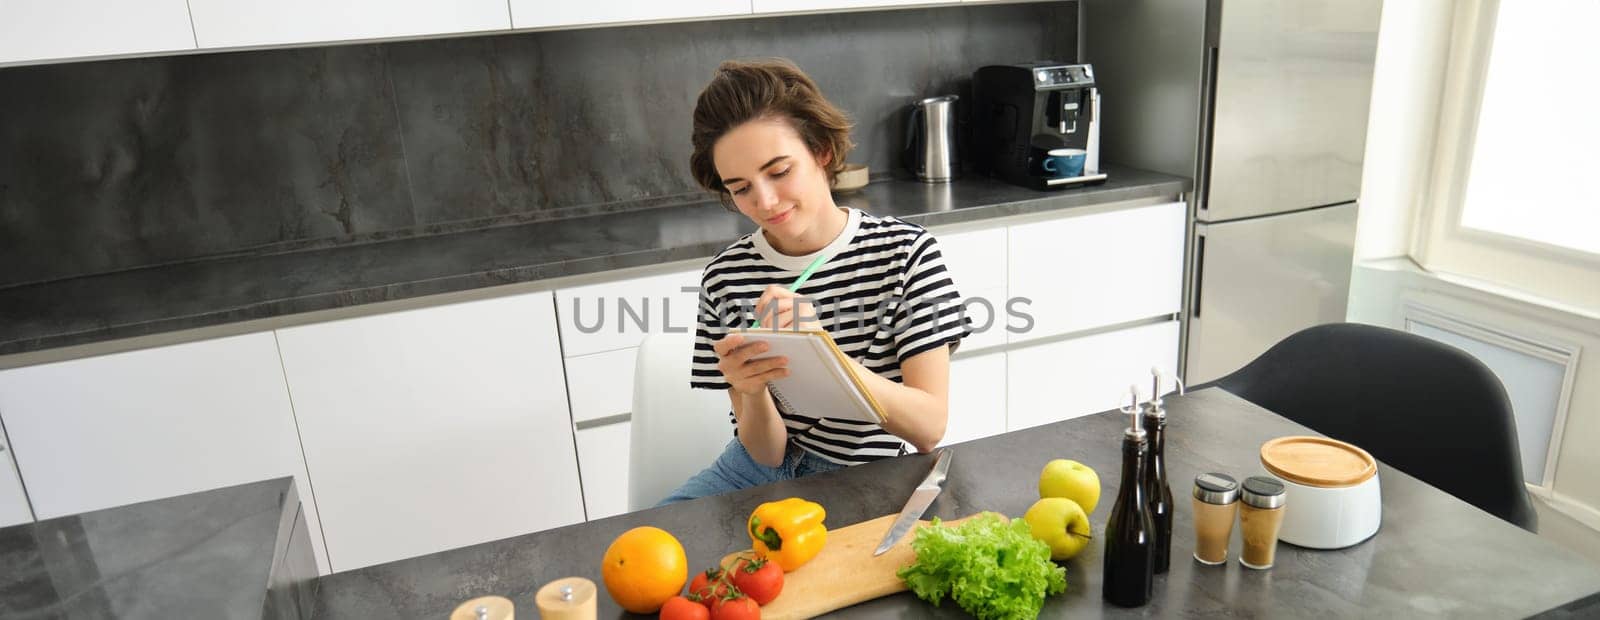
[[1413, 47]]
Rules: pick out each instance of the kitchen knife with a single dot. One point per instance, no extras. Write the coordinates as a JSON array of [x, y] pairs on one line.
[[920, 499]]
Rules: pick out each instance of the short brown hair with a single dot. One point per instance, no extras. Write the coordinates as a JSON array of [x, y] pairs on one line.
[[742, 91]]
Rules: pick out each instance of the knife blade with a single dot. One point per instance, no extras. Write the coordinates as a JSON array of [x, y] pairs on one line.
[[921, 498]]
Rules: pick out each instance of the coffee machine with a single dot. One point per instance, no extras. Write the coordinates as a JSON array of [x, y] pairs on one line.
[[1022, 112]]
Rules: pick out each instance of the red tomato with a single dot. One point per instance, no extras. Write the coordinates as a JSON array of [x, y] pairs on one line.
[[759, 579], [741, 608], [680, 608], [708, 587]]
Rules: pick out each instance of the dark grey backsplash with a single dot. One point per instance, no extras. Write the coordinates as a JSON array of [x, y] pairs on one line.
[[120, 164]]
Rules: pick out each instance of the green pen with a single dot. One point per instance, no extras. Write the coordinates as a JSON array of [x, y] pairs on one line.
[[804, 275]]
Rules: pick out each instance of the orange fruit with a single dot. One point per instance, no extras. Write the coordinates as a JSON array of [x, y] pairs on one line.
[[643, 568]]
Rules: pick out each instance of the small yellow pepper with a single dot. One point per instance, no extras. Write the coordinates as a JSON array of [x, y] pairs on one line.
[[788, 532]]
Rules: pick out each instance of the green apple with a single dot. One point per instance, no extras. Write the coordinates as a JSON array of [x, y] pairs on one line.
[[1072, 480], [1060, 523]]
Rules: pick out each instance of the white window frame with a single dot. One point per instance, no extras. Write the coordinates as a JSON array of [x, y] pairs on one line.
[[1441, 243]]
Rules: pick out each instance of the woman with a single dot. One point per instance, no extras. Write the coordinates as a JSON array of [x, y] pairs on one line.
[[769, 145]]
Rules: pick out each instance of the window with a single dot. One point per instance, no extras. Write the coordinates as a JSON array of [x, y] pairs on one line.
[[1512, 200]]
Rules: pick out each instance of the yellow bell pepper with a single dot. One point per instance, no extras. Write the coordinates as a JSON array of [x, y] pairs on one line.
[[788, 532]]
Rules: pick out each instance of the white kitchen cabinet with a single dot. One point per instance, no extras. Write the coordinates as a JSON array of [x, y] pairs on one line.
[[601, 384], [1071, 378], [435, 428], [14, 509], [603, 460], [976, 258], [798, 6], [36, 30], [977, 263], [545, 14], [1097, 270], [617, 315], [985, 309], [977, 398], [239, 23], [130, 427]]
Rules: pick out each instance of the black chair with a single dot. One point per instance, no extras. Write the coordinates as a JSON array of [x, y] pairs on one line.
[[1424, 407]]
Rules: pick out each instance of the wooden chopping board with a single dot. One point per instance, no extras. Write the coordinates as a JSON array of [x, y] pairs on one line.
[[845, 572]]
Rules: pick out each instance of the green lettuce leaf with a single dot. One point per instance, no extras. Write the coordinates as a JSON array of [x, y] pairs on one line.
[[992, 569]]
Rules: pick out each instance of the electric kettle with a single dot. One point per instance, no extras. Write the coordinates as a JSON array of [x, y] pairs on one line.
[[930, 151]]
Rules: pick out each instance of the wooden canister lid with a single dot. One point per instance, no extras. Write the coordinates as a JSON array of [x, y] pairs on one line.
[[1317, 461], [568, 598], [485, 607]]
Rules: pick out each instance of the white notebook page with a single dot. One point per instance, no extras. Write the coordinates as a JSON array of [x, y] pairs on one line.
[[818, 385]]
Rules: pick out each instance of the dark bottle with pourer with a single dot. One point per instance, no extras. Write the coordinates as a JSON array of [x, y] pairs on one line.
[[1156, 492], [1129, 574]]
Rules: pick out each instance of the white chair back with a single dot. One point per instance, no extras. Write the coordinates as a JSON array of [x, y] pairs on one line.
[[676, 430]]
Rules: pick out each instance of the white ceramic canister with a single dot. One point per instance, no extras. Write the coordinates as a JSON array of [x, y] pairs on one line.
[[1331, 490]]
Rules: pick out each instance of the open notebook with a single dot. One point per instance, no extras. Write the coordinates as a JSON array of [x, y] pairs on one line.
[[821, 382]]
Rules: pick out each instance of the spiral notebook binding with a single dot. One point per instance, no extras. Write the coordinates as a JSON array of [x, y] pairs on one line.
[[777, 394]]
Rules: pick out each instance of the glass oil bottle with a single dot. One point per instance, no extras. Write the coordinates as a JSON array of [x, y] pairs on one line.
[[1129, 570], [1156, 491]]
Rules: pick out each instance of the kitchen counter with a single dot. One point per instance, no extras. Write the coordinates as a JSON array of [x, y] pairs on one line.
[[232, 290], [236, 552], [1434, 556]]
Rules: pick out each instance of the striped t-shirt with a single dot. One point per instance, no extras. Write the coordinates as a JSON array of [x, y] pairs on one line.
[[884, 296]]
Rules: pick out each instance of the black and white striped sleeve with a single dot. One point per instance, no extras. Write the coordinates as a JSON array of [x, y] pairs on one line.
[[930, 314], [709, 328]]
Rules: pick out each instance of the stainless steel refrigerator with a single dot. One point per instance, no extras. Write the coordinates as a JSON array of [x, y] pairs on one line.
[[1264, 103]]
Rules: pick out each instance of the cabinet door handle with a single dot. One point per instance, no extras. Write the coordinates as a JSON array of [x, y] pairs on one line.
[[1199, 273], [1208, 112]]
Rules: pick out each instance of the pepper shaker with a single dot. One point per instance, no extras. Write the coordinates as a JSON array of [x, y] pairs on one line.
[[485, 608], [1260, 517], [569, 598], [1216, 505]]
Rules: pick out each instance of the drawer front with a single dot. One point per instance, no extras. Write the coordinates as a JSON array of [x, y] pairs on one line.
[[977, 398], [603, 464], [617, 315], [1071, 378], [976, 259], [1098, 270], [601, 384], [986, 309]]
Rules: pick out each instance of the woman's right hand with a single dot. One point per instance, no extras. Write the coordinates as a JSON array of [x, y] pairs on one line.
[[744, 371]]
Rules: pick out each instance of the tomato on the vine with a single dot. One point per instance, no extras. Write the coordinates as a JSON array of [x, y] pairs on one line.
[[736, 608], [758, 578], [708, 586], [680, 608]]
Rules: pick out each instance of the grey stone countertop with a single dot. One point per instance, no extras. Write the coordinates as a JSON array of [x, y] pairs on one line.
[[221, 291], [1433, 556], [235, 552]]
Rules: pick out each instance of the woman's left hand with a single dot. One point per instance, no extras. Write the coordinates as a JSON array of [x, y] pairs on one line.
[[780, 308]]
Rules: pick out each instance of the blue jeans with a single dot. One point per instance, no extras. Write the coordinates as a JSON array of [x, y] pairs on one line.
[[735, 470]]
